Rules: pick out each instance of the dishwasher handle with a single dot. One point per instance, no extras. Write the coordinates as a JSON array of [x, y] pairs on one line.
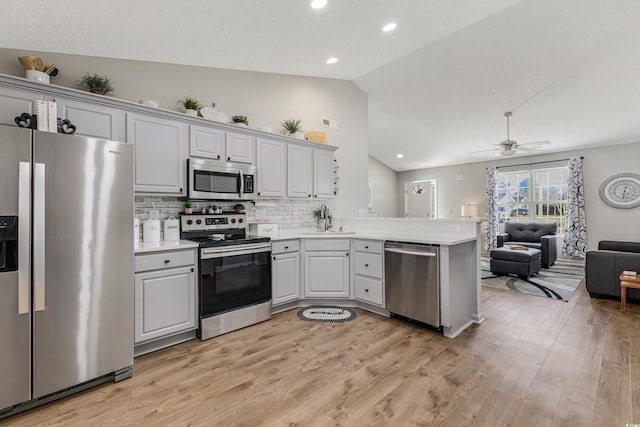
[[407, 252]]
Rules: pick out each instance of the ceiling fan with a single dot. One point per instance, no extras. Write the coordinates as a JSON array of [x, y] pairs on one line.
[[509, 147]]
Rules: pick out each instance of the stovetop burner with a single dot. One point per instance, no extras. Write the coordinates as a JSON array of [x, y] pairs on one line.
[[208, 230]]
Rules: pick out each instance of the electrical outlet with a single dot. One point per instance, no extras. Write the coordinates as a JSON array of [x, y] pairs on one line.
[[261, 213]]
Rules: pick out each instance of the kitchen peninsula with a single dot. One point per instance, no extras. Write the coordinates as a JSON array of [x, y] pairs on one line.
[[459, 265]]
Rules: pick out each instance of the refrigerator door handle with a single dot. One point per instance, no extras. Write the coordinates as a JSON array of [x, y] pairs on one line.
[[38, 237], [24, 237]]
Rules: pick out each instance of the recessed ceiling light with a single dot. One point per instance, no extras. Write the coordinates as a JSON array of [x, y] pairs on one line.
[[332, 60], [389, 27], [400, 155], [318, 4]]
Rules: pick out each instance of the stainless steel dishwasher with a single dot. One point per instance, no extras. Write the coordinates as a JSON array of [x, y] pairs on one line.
[[412, 281]]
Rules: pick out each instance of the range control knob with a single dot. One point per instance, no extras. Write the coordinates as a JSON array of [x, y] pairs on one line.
[[189, 222], [240, 220], [233, 220], [198, 221]]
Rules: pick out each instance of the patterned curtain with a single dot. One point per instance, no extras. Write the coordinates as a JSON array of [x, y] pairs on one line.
[[575, 236], [492, 223]]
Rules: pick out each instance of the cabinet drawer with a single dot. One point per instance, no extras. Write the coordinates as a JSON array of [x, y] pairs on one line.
[[373, 246], [368, 264], [285, 246], [369, 290], [327, 244], [164, 260]]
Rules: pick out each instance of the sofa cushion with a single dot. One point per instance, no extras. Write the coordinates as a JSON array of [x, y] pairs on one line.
[[611, 245], [529, 231]]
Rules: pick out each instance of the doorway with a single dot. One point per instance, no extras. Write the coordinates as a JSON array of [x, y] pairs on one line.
[[420, 199]]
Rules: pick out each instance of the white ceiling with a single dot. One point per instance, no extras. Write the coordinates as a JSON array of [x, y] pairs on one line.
[[438, 85]]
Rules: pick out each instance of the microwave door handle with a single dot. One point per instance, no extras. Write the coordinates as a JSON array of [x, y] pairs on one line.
[[241, 184]]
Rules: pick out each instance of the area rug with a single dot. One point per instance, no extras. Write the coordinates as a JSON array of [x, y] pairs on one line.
[[326, 313], [558, 282]]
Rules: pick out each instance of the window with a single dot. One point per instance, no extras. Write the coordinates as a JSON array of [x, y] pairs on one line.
[[545, 200]]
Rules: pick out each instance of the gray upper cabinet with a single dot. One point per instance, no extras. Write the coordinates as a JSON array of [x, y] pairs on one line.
[[207, 142], [299, 171], [271, 168], [15, 102], [240, 148], [160, 157], [322, 174], [95, 121]]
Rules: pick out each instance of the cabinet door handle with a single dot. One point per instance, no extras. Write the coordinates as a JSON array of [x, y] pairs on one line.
[[366, 265], [192, 270], [229, 159], [274, 258], [218, 156], [167, 261], [181, 189], [366, 247], [258, 193], [286, 247], [366, 290], [308, 195], [347, 253], [315, 195]]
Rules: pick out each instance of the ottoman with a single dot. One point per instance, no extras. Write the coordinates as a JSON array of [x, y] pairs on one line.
[[521, 262]]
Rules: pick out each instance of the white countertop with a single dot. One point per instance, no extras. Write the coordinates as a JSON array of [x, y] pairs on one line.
[[164, 245], [434, 239]]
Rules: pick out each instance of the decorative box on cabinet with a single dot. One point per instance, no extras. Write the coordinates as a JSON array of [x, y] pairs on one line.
[[159, 153], [285, 270], [165, 294], [368, 271]]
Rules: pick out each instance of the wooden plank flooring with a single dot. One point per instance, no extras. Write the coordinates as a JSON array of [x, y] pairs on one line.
[[533, 362]]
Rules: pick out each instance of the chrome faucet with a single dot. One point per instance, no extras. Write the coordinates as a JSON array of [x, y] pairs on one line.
[[324, 223]]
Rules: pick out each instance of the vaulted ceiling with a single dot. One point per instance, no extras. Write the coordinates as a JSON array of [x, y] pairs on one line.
[[438, 84]]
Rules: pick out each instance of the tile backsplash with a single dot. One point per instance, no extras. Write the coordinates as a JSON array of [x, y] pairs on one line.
[[290, 214]]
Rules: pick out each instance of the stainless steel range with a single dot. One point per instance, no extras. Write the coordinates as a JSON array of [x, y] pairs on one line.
[[235, 272]]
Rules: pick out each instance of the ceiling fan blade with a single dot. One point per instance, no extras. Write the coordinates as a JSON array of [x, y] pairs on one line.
[[534, 144], [530, 149], [483, 151]]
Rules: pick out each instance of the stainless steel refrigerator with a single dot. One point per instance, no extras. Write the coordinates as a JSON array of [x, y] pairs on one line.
[[66, 265]]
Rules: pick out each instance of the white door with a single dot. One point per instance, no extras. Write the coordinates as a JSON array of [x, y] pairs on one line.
[[419, 198]]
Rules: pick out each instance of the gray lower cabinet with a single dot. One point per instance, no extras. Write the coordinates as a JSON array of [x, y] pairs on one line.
[[165, 295], [326, 268], [159, 153], [285, 271], [95, 121], [368, 271]]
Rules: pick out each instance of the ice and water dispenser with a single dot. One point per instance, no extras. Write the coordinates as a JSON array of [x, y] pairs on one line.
[[8, 243]]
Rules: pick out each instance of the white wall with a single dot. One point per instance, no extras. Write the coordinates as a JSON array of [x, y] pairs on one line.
[[384, 182], [266, 99], [603, 222]]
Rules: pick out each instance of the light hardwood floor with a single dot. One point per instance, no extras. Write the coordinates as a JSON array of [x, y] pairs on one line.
[[533, 362]]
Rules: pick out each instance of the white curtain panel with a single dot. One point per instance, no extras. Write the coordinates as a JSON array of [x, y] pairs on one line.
[[575, 236], [492, 224]]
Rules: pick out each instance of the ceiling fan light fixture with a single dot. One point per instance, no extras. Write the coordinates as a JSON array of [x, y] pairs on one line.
[[318, 4], [507, 153]]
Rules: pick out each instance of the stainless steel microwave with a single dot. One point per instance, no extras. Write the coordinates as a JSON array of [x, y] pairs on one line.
[[212, 180]]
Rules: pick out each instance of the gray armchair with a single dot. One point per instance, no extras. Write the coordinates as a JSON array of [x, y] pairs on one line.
[[537, 235], [603, 268]]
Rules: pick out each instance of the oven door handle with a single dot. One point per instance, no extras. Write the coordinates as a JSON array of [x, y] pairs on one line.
[[238, 250]]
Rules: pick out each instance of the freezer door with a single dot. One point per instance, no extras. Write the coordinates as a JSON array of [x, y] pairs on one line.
[[83, 260], [15, 360]]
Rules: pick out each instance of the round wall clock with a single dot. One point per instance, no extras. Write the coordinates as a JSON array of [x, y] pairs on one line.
[[621, 191]]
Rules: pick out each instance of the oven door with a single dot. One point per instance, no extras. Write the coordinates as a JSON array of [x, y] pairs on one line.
[[233, 277], [210, 180]]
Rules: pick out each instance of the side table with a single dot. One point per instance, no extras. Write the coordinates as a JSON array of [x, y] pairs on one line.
[[627, 282]]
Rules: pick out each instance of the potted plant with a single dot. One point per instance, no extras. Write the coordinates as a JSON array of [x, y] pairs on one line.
[[239, 208], [191, 106], [96, 84], [187, 207], [240, 120], [292, 127]]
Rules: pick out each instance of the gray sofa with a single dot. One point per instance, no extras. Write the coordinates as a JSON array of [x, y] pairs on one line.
[[536, 235], [603, 268]]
